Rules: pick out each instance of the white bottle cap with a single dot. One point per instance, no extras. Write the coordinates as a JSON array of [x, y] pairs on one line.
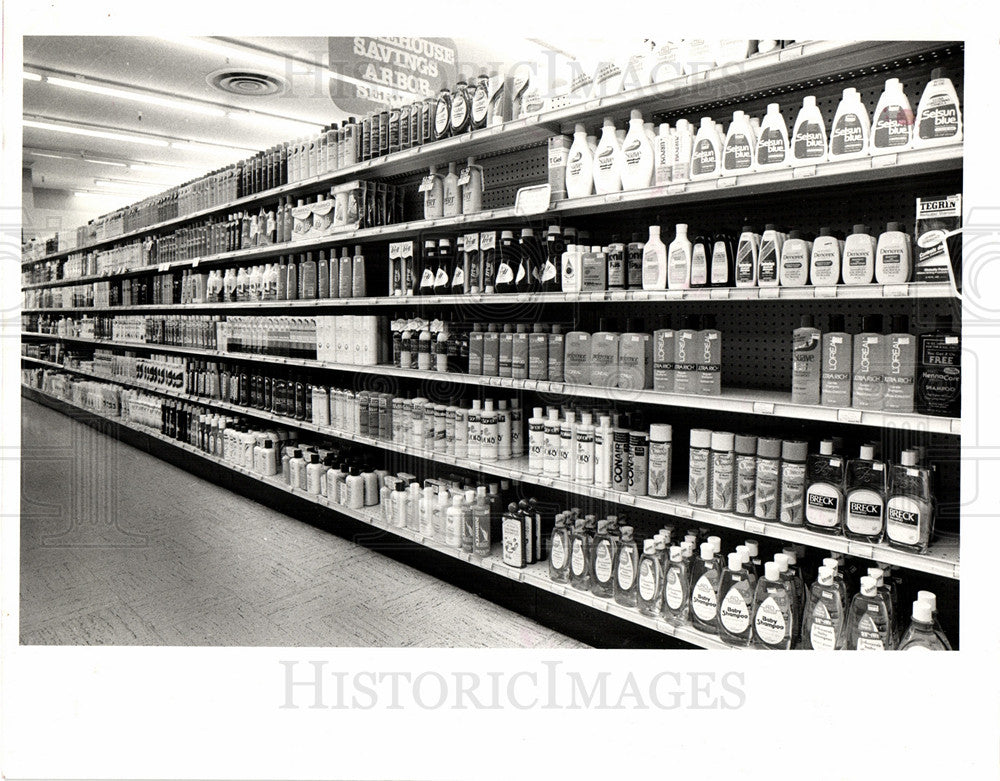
[[715, 542], [773, 108], [687, 548], [735, 562], [707, 122], [609, 123], [742, 550], [683, 124], [690, 538], [627, 531], [738, 115], [921, 612], [929, 597], [771, 571], [664, 128], [908, 458], [850, 93], [660, 432], [649, 546], [681, 227], [475, 405], [832, 564], [781, 560], [752, 547], [605, 421], [893, 84], [635, 114], [825, 576], [701, 438], [868, 452], [675, 553], [488, 405], [586, 419], [536, 412], [878, 574], [596, 250], [868, 586], [553, 414], [809, 101], [790, 553], [580, 129], [722, 440], [456, 500], [826, 447], [707, 551]]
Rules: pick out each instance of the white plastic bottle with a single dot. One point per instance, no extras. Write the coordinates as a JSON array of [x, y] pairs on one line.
[[603, 448], [579, 166], [851, 127], [637, 156], [452, 194], [433, 187], [939, 115], [654, 261], [471, 183], [663, 156], [552, 438], [747, 252], [738, 151], [584, 467], [795, 257], [824, 262], [572, 269], [809, 136], [706, 157], [683, 147], [892, 256], [859, 257], [892, 123], [536, 441], [771, 245], [678, 260], [607, 161], [772, 141]]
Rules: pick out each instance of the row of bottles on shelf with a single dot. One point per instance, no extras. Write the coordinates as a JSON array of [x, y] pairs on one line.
[[742, 600], [644, 156], [745, 603], [774, 480], [898, 371], [455, 193]]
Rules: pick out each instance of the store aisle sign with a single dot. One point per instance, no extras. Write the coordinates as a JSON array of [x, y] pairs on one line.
[[389, 71]]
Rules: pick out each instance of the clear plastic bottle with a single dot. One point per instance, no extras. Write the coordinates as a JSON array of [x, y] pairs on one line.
[[705, 578], [868, 619], [676, 588], [626, 567], [824, 505], [920, 635], [649, 588], [559, 550], [579, 557], [930, 598], [909, 507], [864, 518], [823, 622], [772, 611], [602, 565], [735, 598]]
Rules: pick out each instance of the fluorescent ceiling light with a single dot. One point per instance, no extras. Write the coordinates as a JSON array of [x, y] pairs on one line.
[[30, 76], [130, 183], [88, 194], [272, 119], [115, 163], [200, 146], [82, 131], [56, 157], [156, 100]]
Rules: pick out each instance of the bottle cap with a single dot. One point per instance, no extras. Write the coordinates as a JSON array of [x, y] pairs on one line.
[[806, 321], [770, 226], [722, 440], [675, 553], [922, 612], [790, 553], [836, 323], [715, 542], [748, 229], [937, 73], [868, 586], [701, 438], [893, 227], [660, 432], [735, 561], [825, 576], [314, 458], [794, 450], [795, 234], [745, 445], [809, 101], [868, 452], [580, 129], [860, 229], [929, 598], [627, 531], [872, 324], [831, 563], [692, 538], [781, 559], [826, 447], [707, 551], [771, 571], [648, 546], [900, 324], [768, 448], [602, 526], [825, 231], [878, 574], [908, 458]]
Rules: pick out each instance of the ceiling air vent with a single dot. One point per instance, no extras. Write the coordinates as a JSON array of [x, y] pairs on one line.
[[247, 83]]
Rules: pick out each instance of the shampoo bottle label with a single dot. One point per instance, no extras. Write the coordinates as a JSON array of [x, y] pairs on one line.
[[808, 142], [704, 161], [771, 148], [558, 552], [848, 136], [939, 120], [892, 127], [647, 581], [864, 513], [673, 592], [769, 623], [823, 505], [703, 599], [822, 635], [738, 154], [734, 613], [602, 562]]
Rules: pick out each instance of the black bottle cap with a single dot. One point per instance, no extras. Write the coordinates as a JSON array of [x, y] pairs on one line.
[[937, 73], [770, 227], [836, 323], [894, 226], [795, 234], [806, 321], [860, 228], [900, 324], [748, 229], [871, 324]]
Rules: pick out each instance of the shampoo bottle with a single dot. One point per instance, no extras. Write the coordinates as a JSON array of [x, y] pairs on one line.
[[892, 123], [772, 143], [471, 183], [678, 260], [706, 157], [864, 518], [868, 387], [824, 261], [607, 160], [637, 156], [809, 137], [579, 166], [736, 593], [806, 369], [868, 626], [771, 245], [824, 506], [772, 611], [909, 507], [452, 197], [683, 148], [654, 261], [705, 580], [939, 116], [676, 587], [794, 271], [892, 256], [626, 566], [837, 354], [737, 155], [851, 128], [823, 621], [900, 366], [747, 251], [433, 188], [859, 257], [649, 589], [602, 566]]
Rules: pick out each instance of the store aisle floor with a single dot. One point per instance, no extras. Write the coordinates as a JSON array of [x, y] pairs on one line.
[[156, 556]]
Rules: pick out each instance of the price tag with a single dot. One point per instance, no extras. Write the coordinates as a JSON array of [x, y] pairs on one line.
[[464, 177], [163, 267], [763, 407], [803, 172], [862, 549], [506, 382], [849, 415], [557, 387], [825, 291], [495, 381], [617, 295], [725, 181], [683, 511], [698, 295], [770, 292], [720, 294], [674, 189], [426, 184], [755, 527], [529, 384], [885, 161], [626, 498], [195, 262], [895, 290], [546, 481], [956, 426], [789, 53]]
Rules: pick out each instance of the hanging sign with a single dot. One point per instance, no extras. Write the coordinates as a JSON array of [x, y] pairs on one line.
[[389, 72]]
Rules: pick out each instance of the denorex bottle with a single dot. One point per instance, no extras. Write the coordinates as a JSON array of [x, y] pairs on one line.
[[699, 467], [824, 261], [824, 505], [864, 518], [766, 494], [893, 262]]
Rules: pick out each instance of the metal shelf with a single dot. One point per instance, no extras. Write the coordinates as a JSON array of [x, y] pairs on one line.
[[535, 575], [942, 560], [740, 401], [906, 163], [810, 61], [913, 290]]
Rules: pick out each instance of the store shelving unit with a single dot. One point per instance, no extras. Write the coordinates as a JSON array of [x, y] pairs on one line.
[[868, 185]]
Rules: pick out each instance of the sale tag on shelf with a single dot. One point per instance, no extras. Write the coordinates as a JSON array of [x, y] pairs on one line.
[[849, 415], [195, 262], [674, 189], [884, 161], [895, 290], [755, 527], [763, 407], [803, 172], [862, 549], [683, 511], [627, 498], [725, 181], [163, 267], [720, 294]]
